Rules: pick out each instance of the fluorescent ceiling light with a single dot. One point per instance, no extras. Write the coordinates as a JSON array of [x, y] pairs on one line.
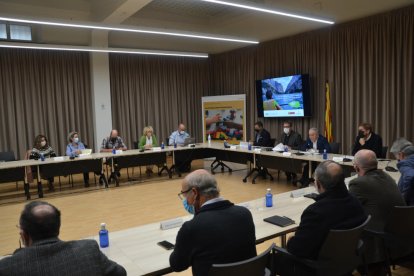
[[99, 50], [120, 28], [248, 7]]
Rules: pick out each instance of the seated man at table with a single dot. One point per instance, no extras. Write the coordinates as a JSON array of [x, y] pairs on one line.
[[334, 208], [403, 150], [293, 140], [178, 137], [220, 232], [45, 254], [378, 194], [315, 143], [262, 136], [113, 142]]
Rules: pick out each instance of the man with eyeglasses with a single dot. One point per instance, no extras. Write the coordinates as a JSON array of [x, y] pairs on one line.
[[45, 254], [219, 233], [292, 140]]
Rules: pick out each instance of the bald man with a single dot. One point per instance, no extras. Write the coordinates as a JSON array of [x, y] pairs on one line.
[[334, 208], [378, 194], [220, 232], [45, 254]]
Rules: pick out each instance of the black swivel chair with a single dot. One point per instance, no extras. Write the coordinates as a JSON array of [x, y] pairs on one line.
[[340, 253], [398, 237], [259, 265], [384, 152], [335, 147], [6, 156]]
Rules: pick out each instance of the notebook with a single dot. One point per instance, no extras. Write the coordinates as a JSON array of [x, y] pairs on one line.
[[280, 221]]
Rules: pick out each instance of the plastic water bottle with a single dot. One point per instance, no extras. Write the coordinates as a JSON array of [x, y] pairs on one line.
[[162, 145], [103, 236], [175, 144], [225, 144], [269, 198], [42, 157], [249, 146], [286, 148], [209, 139], [113, 150], [325, 154]]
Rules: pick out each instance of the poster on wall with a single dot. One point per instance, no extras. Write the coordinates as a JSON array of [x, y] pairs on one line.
[[224, 118]]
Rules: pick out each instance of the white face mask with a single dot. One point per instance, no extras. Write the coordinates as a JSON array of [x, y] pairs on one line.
[[181, 132], [76, 140], [286, 130], [43, 143]]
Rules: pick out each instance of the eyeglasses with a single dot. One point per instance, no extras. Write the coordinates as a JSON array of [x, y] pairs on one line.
[[181, 195]]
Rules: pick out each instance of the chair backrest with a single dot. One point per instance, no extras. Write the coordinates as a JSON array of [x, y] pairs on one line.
[[339, 252], [335, 147], [384, 152], [401, 226], [272, 142], [7, 156], [135, 144], [253, 266]]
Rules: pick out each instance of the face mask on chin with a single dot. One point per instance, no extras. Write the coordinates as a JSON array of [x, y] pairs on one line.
[[189, 208]]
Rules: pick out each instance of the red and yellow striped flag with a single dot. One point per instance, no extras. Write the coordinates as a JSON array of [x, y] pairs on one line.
[[328, 114]]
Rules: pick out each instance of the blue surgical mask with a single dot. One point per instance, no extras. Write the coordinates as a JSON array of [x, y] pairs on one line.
[[189, 208]]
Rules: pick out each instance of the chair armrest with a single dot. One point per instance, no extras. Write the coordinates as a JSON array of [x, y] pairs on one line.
[[303, 261]]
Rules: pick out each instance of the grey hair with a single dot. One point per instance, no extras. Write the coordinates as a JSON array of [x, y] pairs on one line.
[[205, 183], [329, 178], [402, 145], [314, 129], [366, 163]]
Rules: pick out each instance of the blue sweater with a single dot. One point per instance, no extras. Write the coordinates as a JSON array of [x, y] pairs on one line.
[[406, 182]]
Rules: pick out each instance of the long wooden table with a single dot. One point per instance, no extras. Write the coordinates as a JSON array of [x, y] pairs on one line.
[[136, 248], [14, 171]]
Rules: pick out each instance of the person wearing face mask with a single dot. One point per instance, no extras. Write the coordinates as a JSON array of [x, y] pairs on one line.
[[178, 137], [113, 142], [261, 136], [334, 208], [43, 253], [74, 148], [367, 139], [220, 232], [403, 150], [378, 194], [41, 148], [292, 140]]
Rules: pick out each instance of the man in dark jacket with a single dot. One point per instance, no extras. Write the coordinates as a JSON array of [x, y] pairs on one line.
[[294, 141], [219, 233], [404, 152], [334, 208], [262, 136], [316, 143], [378, 194], [367, 139], [44, 254]]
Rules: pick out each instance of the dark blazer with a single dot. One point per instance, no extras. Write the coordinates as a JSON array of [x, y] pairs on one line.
[[264, 139], [321, 144], [335, 209], [59, 258], [374, 143], [378, 193], [294, 140], [219, 233]]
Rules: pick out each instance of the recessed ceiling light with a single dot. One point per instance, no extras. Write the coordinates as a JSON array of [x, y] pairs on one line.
[[120, 28], [269, 11], [99, 50]]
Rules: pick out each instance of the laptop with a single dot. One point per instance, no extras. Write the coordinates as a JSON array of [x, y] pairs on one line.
[[188, 141]]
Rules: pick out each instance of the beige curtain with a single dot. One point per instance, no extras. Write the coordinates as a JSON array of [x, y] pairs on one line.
[[157, 91], [368, 63], [43, 92]]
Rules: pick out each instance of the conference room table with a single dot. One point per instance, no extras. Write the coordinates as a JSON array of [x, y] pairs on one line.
[[136, 248], [61, 166]]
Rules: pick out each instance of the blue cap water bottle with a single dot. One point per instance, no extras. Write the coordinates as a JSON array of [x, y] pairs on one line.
[[103, 236]]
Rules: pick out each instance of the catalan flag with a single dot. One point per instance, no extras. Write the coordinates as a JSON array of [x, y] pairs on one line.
[[328, 114]]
